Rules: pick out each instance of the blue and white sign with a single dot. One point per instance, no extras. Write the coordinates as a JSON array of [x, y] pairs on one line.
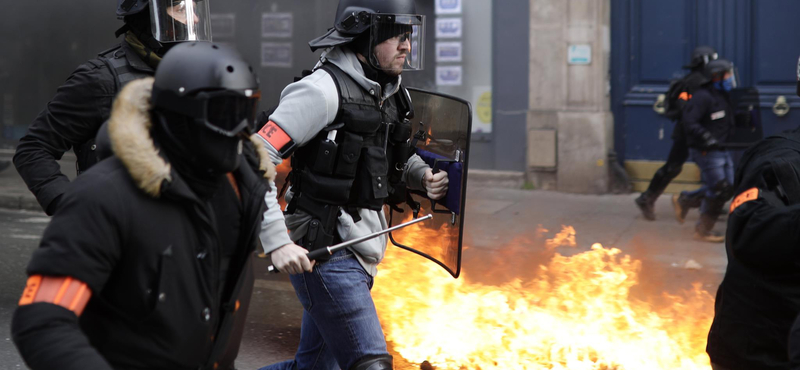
[[448, 51], [276, 54], [224, 25], [448, 28], [448, 6], [579, 54], [449, 75], [277, 25]]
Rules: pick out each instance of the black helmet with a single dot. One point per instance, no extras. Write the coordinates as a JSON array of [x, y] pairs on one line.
[[701, 56], [384, 19], [717, 68], [167, 21], [130, 7], [204, 100], [210, 84]]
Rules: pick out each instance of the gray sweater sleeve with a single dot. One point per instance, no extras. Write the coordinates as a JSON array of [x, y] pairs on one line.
[[305, 108]]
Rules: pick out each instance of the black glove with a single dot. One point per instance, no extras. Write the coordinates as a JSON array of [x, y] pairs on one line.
[[709, 142]]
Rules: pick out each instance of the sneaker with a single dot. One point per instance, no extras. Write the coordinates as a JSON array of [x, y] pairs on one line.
[[680, 209], [710, 237], [647, 208]]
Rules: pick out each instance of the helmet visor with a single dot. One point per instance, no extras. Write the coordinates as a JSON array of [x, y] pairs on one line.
[[228, 113], [397, 42], [180, 20]]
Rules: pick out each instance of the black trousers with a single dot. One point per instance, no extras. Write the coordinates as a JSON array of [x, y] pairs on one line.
[[678, 155]]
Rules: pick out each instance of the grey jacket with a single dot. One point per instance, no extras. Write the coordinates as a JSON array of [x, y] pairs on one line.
[[306, 107]]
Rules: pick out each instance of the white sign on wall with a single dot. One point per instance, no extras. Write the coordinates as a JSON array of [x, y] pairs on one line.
[[277, 25], [276, 54], [449, 75], [448, 6], [448, 28], [449, 51], [224, 25], [579, 54]]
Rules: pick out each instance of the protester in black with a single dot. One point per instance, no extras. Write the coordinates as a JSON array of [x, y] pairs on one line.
[[678, 94], [709, 119], [759, 298], [147, 265]]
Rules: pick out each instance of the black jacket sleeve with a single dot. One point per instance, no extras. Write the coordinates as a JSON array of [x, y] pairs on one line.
[[82, 241], [71, 118], [764, 235], [48, 337], [696, 109]]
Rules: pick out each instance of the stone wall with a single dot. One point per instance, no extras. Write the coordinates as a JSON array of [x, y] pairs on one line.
[[570, 126]]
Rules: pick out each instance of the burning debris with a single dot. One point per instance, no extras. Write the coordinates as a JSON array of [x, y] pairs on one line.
[[573, 312]]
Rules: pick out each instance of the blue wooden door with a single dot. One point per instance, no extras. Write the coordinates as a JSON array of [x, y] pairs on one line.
[[653, 39]]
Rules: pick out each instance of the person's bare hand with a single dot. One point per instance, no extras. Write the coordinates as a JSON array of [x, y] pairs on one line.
[[291, 258], [435, 184]]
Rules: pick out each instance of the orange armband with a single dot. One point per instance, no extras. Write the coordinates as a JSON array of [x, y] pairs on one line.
[[64, 291], [744, 197]]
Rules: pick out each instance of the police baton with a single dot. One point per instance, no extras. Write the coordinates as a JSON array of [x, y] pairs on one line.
[[313, 255]]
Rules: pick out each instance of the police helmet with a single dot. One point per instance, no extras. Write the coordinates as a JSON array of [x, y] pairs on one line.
[[384, 20], [167, 21], [701, 55]]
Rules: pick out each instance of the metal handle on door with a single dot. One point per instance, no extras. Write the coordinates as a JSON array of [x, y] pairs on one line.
[[658, 106], [781, 107]]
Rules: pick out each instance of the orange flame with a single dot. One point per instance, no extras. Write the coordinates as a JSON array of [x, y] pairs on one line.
[[576, 312]]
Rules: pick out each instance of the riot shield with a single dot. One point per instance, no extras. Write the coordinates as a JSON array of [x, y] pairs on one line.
[[748, 129], [442, 125]]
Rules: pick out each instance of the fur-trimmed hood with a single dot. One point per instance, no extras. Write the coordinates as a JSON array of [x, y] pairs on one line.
[[129, 133]]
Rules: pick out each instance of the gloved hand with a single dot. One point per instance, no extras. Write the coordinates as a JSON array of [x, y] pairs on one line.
[[435, 184], [709, 142], [291, 258]]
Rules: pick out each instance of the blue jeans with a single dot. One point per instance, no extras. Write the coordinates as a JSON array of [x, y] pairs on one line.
[[716, 166], [340, 325]]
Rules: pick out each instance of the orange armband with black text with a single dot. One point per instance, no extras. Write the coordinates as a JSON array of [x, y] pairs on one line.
[[63, 291]]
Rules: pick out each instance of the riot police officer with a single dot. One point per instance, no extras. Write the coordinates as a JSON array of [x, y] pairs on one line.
[[72, 118], [708, 119], [346, 128], [152, 248], [678, 94]]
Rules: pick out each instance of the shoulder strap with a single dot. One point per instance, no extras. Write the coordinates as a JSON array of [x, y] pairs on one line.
[[405, 107], [119, 65], [337, 74]]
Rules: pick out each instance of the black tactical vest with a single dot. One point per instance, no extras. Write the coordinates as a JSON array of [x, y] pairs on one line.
[[359, 159], [126, 66]]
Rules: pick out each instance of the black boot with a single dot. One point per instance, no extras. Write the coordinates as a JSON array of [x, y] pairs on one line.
[[646, 203]]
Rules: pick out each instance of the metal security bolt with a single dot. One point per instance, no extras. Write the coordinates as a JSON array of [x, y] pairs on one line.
[[207, 314]]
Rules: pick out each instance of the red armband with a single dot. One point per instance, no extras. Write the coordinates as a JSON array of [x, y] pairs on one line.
[[63, 291], [278, 138]]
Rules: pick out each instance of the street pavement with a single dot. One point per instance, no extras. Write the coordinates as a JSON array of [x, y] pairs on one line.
[[496, 218]]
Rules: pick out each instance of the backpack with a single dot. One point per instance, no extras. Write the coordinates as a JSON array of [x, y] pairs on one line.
[[677, 96]]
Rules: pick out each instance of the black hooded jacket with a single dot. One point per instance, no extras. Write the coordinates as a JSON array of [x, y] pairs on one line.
[[708, 112], [151, 253], [759, 297]]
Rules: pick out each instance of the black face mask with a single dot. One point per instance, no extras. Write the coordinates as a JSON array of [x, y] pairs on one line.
[[198, 154], [217, 153]]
